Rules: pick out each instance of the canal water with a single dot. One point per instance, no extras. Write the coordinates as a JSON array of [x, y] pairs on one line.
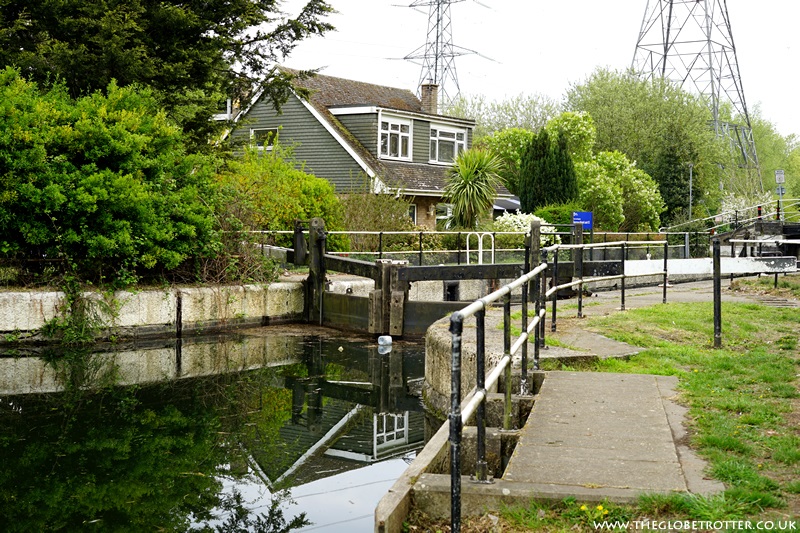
[[268, 429]]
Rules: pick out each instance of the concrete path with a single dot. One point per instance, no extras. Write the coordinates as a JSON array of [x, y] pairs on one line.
[[597, 435]]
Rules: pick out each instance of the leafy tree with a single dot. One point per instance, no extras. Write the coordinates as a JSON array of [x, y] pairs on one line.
[[776, 151], [579, 132], [192, 53], [103, 182], [660, 127], [509, 145], [527, 112], [623, 197], [472, 186], [547, 174]]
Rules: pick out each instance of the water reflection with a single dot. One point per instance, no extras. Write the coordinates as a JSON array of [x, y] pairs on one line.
[[212, 444]]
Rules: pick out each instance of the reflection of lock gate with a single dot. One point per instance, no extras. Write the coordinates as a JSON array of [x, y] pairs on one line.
[[479, 237]]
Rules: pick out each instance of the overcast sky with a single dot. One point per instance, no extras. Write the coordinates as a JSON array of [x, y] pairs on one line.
[[531, 46]]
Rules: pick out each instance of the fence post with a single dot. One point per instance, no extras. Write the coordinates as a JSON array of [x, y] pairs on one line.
[[456, 328], [666, 275], [577, 261], [316, 270], [554, 305], [717, 296], [687, 250], [536, 256], [299, 243], [420, 248], [622, 280], [380, 245], [523, 381], [543, 298], [480, 355], [507, 353]]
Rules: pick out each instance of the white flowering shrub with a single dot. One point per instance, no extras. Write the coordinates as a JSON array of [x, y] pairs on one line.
[[522, 222]]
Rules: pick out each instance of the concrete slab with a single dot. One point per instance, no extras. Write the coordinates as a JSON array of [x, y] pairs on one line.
[[600, 431]]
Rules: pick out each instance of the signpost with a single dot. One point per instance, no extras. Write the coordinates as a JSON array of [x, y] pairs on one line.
[[780, 178]]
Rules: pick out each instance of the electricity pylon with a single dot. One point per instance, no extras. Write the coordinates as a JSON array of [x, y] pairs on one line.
[[438, 54], [690, 43]]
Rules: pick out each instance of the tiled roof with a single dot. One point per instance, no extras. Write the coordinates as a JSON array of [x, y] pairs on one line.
[[328, 91], [415, 176]]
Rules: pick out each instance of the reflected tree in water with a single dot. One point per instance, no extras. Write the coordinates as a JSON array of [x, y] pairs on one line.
[[131, 459]]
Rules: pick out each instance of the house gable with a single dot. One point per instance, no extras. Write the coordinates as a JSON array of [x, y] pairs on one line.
[[319, 146]]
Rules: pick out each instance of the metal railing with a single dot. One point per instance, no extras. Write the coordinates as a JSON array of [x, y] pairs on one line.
[[475, 403], [623, 246]]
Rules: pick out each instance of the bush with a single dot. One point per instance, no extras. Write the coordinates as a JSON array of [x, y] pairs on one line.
[[521, 222], [103, 184], [364, 210], [267, 192]]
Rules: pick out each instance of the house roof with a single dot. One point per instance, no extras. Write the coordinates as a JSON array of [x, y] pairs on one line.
[[328, 91]]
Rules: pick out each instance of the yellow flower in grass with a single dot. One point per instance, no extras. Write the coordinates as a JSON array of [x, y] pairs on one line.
[[584, 508]]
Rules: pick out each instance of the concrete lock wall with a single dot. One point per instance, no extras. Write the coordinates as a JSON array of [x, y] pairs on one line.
[[130, 314], [196, 358]]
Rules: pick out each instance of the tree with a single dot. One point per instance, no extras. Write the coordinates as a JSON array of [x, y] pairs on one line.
[[192, 53], [547, 174], [527, 112], [579, 132], [776, 151], [471, 186], [103, 183], [622, 197], [660, 127], [509, 145]]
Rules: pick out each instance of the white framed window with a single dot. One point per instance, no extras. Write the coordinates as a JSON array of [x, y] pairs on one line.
[[446, 144], [263, 138], [412, 212], [395, 138]]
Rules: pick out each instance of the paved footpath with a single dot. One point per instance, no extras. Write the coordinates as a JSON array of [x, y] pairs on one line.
[[600, 435]]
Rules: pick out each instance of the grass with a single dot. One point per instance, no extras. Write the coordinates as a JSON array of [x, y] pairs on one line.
[[744, 410]]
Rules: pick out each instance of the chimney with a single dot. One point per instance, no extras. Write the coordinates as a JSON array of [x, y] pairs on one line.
[[430, 97]]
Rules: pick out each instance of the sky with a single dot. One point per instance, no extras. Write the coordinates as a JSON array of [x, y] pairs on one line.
[[534, 47]]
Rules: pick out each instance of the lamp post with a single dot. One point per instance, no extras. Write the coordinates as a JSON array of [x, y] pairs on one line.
[[691, 166]]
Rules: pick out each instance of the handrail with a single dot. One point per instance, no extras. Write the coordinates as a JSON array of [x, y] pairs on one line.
[[475, 401]]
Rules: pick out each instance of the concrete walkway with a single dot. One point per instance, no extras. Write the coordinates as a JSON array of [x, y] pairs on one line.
[[601, 435], [597, 435]]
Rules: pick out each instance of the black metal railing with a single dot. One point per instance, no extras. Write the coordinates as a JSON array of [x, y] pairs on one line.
[[476, 400]]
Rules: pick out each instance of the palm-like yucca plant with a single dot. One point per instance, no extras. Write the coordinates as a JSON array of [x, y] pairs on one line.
[[471, 186]]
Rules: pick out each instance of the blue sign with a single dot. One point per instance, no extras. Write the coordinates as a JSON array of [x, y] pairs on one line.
[[582, 217]]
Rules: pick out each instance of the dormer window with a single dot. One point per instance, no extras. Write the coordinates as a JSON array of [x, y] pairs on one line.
[[446, 144], [395, 138]]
